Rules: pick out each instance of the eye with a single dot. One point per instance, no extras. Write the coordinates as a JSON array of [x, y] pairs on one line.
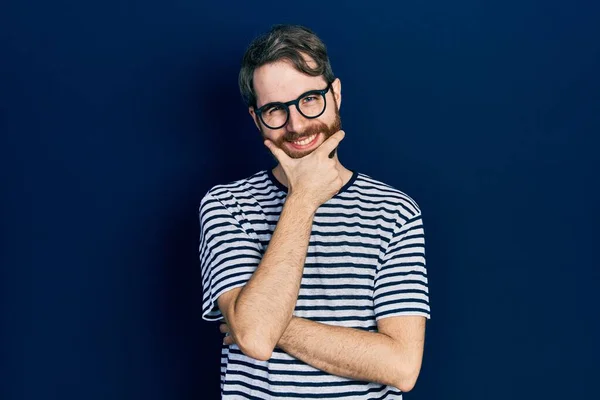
[[273, 109], [309, 98]]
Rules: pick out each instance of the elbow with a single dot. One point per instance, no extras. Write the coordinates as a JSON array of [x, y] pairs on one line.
[[255, 346], [260, 353], [249, 337], [407, 379], [406, 385]]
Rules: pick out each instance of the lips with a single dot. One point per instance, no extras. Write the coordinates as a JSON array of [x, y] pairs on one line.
[[305, 142]]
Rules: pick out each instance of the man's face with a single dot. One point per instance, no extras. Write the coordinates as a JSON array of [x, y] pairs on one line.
[[281, 82]]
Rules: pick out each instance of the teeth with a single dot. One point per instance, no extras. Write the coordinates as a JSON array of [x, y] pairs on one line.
[[305, 141]]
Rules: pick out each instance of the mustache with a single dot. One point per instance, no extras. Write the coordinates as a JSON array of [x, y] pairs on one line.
[[312, 130]]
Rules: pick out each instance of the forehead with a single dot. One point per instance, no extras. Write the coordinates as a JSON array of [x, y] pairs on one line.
[[281, 81]]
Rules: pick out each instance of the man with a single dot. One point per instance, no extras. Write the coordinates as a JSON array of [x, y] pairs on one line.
[[316, 271]]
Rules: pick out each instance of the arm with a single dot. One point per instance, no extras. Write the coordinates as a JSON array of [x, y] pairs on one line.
[[256, 319], [259, 312], [391, 356]]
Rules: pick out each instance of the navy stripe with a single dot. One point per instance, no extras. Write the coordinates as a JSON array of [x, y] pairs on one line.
[[337, 276], [229, 217], [414, 236], [401, 291], [338, 224], [405, 255], [297, 383], [333, 297], [400, 301], [408, 246], [401, 273], [319, 395], [384, 189], [261, 213], [211, 228], [355, 206], [277, 372], [330, 308], [252, 253], [238, 393], [234, 240], [224, 277], [360, 199], [400, 283], [391, 391], [344, 243], [400, 203], [317, 233], [240, 264], [327, 266], [402, 310], [242, 197], [356, 215], [341, 254], [341, 318], [392, 263], [336, 287]]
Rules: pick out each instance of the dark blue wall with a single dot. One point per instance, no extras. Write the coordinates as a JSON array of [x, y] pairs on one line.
[[117, 116]]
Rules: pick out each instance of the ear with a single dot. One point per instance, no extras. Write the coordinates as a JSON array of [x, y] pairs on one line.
[[337, 91], [254, 117]]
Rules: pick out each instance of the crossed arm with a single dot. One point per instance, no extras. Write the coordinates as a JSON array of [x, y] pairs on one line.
[[257, 324], [391, 356]]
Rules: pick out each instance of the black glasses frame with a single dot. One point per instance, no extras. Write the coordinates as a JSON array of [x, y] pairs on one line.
[[296, 102]]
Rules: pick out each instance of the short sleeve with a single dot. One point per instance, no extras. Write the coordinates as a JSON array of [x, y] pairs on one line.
[[228, 254], [401, 281]]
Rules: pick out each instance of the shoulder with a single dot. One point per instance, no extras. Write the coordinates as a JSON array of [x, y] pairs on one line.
[[227, 193], [377, 190]]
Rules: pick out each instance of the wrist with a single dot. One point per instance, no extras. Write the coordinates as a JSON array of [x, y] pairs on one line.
[[300, 205]]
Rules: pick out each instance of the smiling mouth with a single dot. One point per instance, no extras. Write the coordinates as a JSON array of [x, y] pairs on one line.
[[305, 142]]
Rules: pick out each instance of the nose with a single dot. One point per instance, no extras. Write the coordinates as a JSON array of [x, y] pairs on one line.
[[296, 121]]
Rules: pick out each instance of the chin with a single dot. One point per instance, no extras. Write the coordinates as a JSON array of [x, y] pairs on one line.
[[299, 154]]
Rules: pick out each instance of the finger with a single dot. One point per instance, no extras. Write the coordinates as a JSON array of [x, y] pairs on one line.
[[223, 328], [331, 143], [228, 340], [277, 152]]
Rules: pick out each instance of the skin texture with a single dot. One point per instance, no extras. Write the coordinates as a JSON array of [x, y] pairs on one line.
[[391, 356], [259, 316]]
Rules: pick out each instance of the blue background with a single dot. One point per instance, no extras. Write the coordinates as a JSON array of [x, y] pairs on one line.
[[117, 116]]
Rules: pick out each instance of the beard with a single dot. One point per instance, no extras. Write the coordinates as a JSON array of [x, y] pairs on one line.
[[315, 127]]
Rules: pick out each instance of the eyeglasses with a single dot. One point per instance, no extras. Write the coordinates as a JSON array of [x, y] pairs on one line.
[[310, 104]]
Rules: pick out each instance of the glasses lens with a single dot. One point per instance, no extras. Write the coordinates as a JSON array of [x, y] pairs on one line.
[[312, 104], [274, 116]]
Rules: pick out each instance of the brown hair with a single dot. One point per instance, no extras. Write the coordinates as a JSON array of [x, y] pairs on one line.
[[283, 42]]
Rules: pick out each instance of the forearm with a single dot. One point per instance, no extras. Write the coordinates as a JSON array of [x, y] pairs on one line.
[[347, 352], [264, 306]]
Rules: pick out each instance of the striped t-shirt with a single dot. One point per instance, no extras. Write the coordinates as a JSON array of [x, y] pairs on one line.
[[365, 261]]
